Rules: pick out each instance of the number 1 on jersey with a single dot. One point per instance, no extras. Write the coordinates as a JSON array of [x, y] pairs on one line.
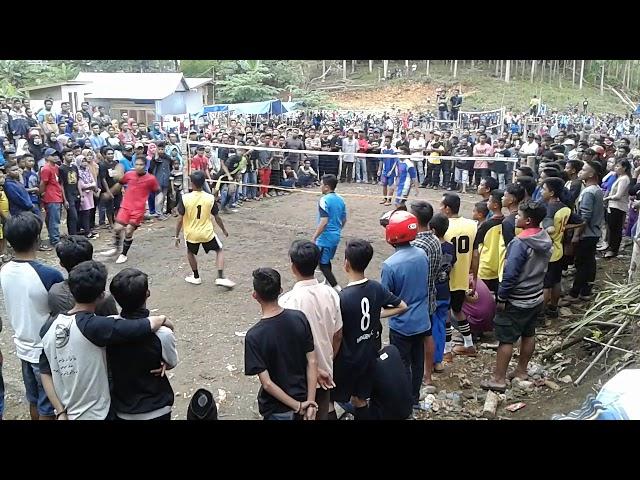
[[199, 208]]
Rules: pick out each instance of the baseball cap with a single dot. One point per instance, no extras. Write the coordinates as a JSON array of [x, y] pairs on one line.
[[50, 151], [139, 145], [437, 132], [568, 141], [128, 146]]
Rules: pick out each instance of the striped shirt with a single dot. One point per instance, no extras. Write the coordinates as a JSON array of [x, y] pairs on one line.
[[428, 242]]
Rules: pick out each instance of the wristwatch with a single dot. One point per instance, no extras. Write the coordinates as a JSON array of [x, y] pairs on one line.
[[58, 413]]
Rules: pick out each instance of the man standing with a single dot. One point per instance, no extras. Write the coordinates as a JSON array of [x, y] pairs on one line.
[[109, 203], [321, 305], [196, 209], [456, 102], [349, 147], [293, 143], [48, 109], [312, 143], [25, 286], [52, 195], [361, 161], [97, 141], [69, 182], [332, 217], [161, 169]]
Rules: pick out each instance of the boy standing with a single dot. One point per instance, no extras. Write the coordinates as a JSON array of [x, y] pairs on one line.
[[404, 274], [520, 296], [361, 304], [52, 195], [439, 225], [461, 233], [25, 285], [486, 246], [387, 171], [279, 349], [332, 217], [407, 176]]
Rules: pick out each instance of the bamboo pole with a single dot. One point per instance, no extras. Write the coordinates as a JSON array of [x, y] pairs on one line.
[[603, 351]]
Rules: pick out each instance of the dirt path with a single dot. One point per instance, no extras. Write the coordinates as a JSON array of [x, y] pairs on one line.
[[208, 318]]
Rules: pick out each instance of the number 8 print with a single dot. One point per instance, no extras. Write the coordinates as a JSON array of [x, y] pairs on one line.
[[366, 317]]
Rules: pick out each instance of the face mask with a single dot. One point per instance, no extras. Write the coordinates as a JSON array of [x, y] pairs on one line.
[[37, 141]]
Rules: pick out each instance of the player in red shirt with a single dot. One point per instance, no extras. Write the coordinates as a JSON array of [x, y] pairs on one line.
[[131, 213]]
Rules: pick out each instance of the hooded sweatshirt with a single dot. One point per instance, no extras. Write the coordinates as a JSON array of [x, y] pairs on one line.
[[526, 263]]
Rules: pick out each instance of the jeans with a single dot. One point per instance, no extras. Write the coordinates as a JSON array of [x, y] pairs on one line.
[[288, 183], [361, 169], [372, 169], [411, 350], [454, 114], [53, 221], [347, 172], [249, 177], [85, 223], [438, 322], [281, 416], [585, 262], [433, 175], [152, 203], [72, 217], [447, 175], [34, 389], [500, 178], [615, 222], [480, 173], [161, 196], [443, 115], [305, 180]]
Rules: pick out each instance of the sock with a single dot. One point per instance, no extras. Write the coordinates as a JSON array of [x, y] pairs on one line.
[[127, 246], [362, 413], [449, 332], [465, 330], [220, 274], [196, 274], [325, 268]]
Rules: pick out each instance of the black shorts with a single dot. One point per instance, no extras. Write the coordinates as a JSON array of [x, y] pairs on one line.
[[492, 284], [554, 274], [350, 382], [514, 322], [207, 247], [457, 299]]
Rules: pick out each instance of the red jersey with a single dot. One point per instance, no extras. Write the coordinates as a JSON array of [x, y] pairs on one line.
[[138, 189], [199, 162], [50, 175]]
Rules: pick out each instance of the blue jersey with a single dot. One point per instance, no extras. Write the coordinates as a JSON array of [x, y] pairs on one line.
[[332, 207], [389, 164], [406, 174]]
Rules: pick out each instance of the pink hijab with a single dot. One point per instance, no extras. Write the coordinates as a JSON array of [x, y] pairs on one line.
[[152, 148]]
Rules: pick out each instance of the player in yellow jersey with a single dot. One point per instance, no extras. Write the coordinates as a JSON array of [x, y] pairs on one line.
[[461, 233], [486, 248], [196, 210], [559, 219]]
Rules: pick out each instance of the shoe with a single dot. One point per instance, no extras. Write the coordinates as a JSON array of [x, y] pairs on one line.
[[121, 259], [568, 301], [109, 252], [193, 280], [601, 247], [586, 298], [610, 254], [447, 357], [551, 313], [225, 282], [45, 248], [92, 236], [465, 351], [449, 189]]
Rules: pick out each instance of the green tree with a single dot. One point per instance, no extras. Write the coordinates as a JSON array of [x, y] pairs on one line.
[[250, 85]]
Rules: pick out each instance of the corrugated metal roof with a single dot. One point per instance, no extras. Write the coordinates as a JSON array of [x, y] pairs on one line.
[[134, 86], [50, 85], [197, 82]]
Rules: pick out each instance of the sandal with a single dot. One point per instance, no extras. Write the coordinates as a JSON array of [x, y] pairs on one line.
[[512, 374], [438, 369], [490, 385]]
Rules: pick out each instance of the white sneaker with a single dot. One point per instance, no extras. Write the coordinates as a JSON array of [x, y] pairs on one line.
[[193, 280], [121, 259], [225, 282], [109, 252], [602, 246]]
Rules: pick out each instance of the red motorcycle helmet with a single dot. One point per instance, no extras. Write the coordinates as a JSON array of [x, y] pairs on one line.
[[401, 227]]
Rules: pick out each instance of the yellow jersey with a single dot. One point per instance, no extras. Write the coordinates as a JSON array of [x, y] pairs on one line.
[[196, 209], [4, 208], [558, 215], [462, 234], [487, 243]]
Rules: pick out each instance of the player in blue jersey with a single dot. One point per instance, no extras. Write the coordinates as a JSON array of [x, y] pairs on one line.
[[407, 176], [387, 171], [332, 216]]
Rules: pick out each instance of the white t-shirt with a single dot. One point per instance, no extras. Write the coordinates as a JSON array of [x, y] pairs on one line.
[[415, 144], [529, 148]]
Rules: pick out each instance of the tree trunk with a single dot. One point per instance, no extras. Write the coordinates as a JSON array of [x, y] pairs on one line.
[[344, 69], [497, 68], [542, 71], [451, 66], [624, 75], [406, 67], [324, 69], [472, 64], [455, 68], [353, 66], [506, 71], [602, 80], [581, 73], [385, 68], [533, 69], [370, 66], [629, 75], [617, 69], [427, 68], [573, 80]]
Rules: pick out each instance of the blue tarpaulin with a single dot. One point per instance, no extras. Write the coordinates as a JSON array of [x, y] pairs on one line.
[[273, 107]]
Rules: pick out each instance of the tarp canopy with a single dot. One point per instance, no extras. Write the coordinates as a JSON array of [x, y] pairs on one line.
[[637, 112], [290, 105], [273, 107]]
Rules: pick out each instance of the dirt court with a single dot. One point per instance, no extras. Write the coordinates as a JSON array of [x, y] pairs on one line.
[[211, 321]]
